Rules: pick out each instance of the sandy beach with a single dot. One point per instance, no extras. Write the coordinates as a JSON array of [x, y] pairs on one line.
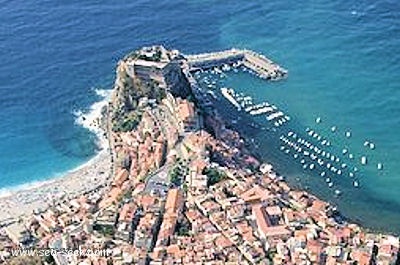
[[92, 175]]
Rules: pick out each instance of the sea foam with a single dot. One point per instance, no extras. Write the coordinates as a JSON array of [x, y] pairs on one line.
[[90, 118]]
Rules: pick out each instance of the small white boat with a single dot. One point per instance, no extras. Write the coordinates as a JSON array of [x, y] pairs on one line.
[[333, 129], [371, 146], [348, 134], [338, 192], [330, 184], [364, 160], [379, 166], [351, 156], [322, 174], [344, 151], [355, 183], [328, 180], [318, 120]]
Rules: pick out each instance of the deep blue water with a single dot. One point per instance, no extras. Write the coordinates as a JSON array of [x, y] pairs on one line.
[[343, 60]]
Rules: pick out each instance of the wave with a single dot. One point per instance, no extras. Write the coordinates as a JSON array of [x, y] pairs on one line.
[[90, 119]]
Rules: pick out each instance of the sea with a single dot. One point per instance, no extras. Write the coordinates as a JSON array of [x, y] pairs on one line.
[[58, 61]]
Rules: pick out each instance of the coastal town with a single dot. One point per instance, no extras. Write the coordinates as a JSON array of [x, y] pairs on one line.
[[184, 189]]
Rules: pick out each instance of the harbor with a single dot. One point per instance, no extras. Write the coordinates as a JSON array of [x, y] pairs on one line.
[[261, 65], [314, 153]]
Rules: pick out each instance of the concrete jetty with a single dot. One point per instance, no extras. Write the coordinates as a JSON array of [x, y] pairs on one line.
[[262, 66]]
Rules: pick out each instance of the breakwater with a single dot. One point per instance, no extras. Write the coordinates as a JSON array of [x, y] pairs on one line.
[[261, 65]]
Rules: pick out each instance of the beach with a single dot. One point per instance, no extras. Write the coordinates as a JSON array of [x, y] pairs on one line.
[[91, 176]]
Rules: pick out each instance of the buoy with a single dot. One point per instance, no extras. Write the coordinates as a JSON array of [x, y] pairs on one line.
[[379, 166], [364, 160]]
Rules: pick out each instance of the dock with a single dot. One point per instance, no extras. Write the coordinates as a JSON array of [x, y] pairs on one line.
[[259, 64]]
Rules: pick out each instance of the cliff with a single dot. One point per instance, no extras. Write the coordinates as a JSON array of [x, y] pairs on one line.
[[149, 73]]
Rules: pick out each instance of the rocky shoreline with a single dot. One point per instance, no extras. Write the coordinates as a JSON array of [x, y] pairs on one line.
[[186, 190]]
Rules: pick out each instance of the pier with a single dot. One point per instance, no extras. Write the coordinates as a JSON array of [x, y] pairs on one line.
[[261, 65]]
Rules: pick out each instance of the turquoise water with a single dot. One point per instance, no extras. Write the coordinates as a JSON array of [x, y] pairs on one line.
[[342, 59]]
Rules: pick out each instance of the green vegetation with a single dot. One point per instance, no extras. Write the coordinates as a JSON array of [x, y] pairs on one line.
[[128, 122], [178, 172], [105, 230], [214, 176], [183, 228]]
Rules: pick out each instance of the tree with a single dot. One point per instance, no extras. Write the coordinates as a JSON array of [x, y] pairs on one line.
[[213, 176]]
